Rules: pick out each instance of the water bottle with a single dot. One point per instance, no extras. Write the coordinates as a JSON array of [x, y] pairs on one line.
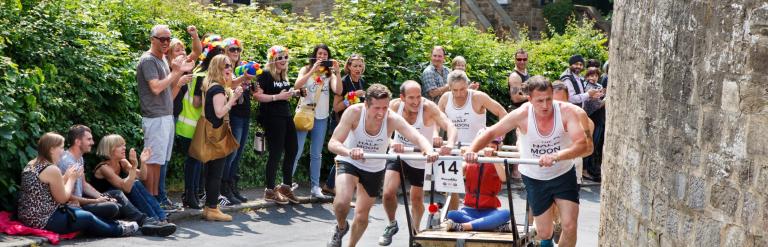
[[259, 143]]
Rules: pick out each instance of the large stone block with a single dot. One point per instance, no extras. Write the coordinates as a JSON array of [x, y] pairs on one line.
[[696, 193], [725, 198], [707, 232]]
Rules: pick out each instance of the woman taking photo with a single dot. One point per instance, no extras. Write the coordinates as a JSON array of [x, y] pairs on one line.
[[276, 118], [45, 192], [317, 78]]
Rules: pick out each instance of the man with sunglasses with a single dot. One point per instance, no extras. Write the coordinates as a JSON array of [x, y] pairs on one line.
[[154, 79], [517, 78]]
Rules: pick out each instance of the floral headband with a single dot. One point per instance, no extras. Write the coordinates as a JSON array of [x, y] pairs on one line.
[[274, 51], [209, 43], [232, 41]]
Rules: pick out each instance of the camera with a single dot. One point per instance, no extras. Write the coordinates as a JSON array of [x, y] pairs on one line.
[[327, 63]]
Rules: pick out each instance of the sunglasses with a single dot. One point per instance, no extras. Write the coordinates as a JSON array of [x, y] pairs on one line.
[[281, 58], [162, 39], [522, 59], [235, 49], [228, 66]]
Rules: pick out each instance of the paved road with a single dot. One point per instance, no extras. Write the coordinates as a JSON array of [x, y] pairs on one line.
[[310, 225]]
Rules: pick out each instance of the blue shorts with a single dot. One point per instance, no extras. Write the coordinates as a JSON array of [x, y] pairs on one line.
[[541, 194]]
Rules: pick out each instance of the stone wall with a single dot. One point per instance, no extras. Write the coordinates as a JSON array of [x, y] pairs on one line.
[[686, 151]]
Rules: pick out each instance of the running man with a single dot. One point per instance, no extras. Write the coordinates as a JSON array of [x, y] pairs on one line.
[[365, 128], [555, 137], [425, 116]]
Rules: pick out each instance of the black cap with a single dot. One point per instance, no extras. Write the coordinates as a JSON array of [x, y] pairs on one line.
[[575, 59]]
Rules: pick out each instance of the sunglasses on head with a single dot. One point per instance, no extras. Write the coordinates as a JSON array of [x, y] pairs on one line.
[[162, 39], [235, 49], [522, 59]]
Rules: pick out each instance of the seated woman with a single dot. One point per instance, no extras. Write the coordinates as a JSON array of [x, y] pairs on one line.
[[118, 173], [481, 206], [45, 192]]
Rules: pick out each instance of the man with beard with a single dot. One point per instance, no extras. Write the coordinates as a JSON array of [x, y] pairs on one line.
[[571, 78]]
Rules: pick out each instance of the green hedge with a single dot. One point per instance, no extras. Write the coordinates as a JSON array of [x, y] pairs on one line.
[[66, 62]]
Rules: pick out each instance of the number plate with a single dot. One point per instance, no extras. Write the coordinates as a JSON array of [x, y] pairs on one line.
[[448, 176]]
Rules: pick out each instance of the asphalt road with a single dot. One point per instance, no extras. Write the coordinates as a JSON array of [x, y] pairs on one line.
[[311, 225]]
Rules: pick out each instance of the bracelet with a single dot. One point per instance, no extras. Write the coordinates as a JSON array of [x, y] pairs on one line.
[[273, 97]]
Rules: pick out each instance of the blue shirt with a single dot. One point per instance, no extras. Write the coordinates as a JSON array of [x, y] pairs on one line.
[[67, 160]]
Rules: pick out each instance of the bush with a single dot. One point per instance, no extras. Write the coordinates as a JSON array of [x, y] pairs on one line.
[[67, 62]]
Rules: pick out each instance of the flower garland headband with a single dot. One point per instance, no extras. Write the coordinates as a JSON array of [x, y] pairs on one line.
[[209, 43], [274, 51], [232, 41]]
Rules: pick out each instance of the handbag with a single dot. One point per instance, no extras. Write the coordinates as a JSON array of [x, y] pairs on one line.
[[209, 143], [305, 114]]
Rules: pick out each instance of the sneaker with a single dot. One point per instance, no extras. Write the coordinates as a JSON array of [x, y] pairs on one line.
[[294, 186], [451, 226], [224, 202], [129, 228], [153, 227], [272, 196], [170, 207], [503, 227], [318, 193], [338, 234], [287, 193], [389, 231]]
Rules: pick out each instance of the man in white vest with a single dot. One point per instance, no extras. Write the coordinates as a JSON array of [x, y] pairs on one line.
[[426, 117], [365, 128], [552, 132]]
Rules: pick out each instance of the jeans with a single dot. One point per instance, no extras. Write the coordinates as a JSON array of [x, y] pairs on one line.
[[480, 219], [213, 182], [121, 209], [69, 219], [104, 210], [317, 139], [192, 167], [145, 202], [240, 131]]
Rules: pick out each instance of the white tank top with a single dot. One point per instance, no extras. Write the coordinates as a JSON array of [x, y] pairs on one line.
[[370, 144], [426, 131], [533, 145], [465, 119]]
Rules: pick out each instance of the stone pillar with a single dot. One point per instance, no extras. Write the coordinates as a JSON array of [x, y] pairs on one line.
[[686, 149]]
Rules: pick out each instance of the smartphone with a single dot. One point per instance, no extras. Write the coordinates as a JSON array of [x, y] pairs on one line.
[[327, 63]]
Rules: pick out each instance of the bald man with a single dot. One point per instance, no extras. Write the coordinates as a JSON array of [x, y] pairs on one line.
[[426, 117]]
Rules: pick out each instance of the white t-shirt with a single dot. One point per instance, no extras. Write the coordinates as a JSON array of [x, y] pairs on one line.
[[322, 106]]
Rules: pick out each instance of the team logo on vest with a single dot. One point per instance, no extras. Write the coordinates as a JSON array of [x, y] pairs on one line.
[[546, 147], [461, 123]]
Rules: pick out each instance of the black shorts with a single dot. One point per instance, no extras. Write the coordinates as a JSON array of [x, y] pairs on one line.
[[414, 175], [542, 193], [371, 181]]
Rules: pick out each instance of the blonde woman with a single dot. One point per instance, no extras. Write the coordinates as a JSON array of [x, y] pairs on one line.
[[45, 192], [275, 115], [176, 49], [120, 172]]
